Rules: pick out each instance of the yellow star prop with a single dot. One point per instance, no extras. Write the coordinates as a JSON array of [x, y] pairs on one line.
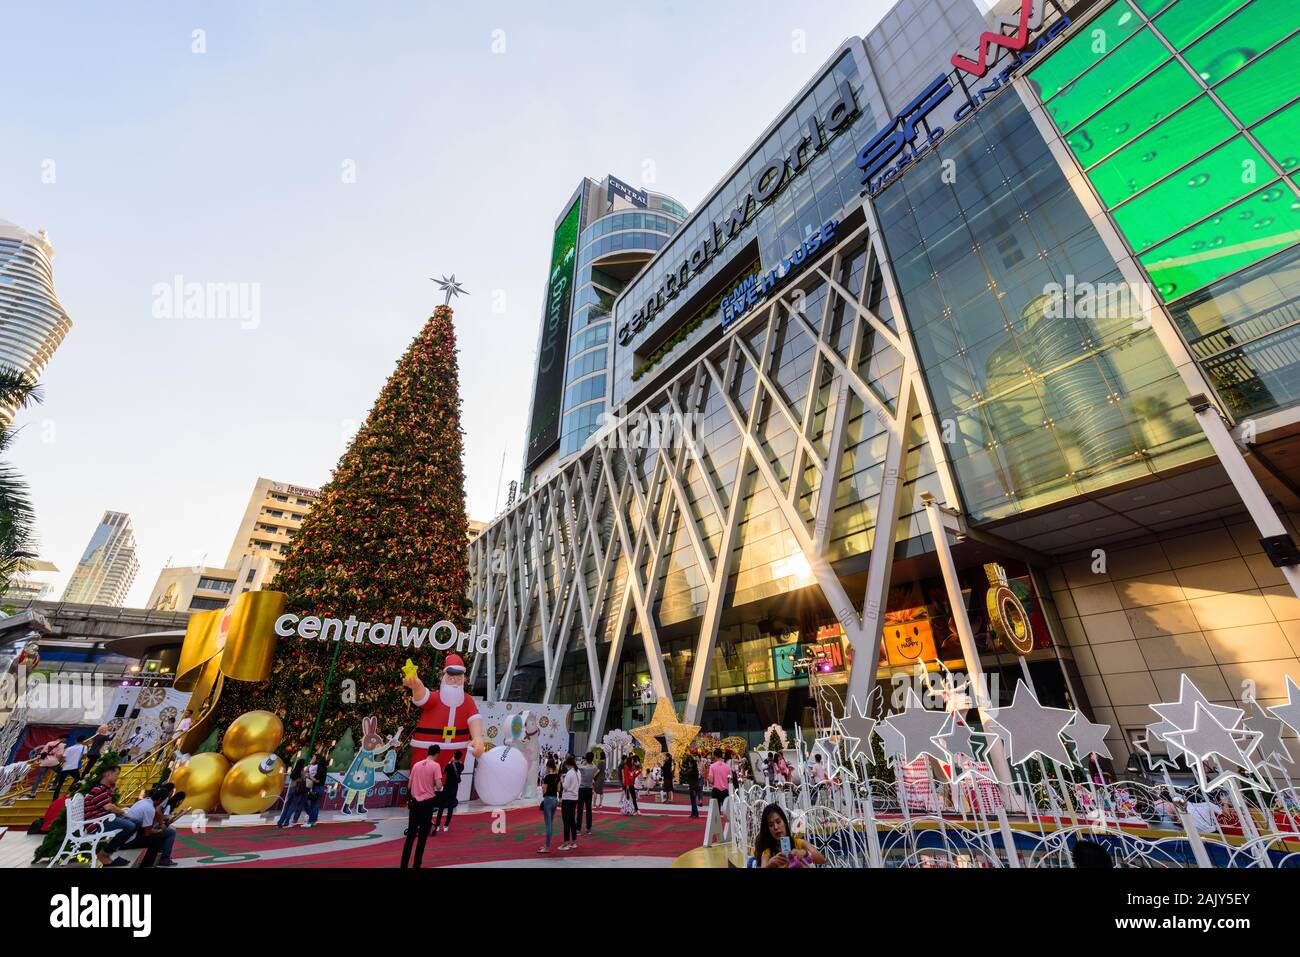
[[409, 670], [664, 722]]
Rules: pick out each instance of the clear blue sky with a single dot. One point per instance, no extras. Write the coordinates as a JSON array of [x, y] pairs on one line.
[[227, 166]]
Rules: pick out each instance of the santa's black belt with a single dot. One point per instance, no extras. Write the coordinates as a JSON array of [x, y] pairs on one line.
[[441, 731]]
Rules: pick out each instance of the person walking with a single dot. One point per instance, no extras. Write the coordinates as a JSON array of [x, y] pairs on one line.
[[426, 778], [550, 797], [570, 783], [71, 766], [720, 778], [691, 778], [314, 775], [586, 787], [629, 783], [819, 779], [48, 757], [294, 795], [598, 781], [449, 797]]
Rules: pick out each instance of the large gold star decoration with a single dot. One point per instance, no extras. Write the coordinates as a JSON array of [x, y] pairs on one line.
[[664, 722]]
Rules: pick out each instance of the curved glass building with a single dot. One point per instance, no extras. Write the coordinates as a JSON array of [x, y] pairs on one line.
[[32, 323], [607, 232]]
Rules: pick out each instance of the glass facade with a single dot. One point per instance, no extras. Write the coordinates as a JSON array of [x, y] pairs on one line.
[[1045, 384], [820, 191], [1185, 116]]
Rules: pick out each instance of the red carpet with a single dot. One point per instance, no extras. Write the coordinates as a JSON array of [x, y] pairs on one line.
[[478, 837]]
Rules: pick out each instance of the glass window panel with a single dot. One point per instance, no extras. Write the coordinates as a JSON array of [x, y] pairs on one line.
[[1151, 7], [1190, 18], [1243, 38], [1211, 182], [1266, 84], [1242, 329], [1107, 80], [1133, 114], [1280, 136], [1245, 233], [1112, 26], [1154, 155]]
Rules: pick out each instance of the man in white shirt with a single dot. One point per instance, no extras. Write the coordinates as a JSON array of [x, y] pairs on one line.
[[153, 832], [72, 756]]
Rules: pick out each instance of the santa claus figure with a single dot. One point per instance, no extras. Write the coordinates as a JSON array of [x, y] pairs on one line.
[[449, 718]]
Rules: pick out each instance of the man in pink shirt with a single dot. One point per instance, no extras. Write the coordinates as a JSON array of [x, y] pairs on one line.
[[426, 779], [719, 777]]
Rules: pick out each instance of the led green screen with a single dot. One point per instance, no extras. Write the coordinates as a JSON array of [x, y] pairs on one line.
[[1247, 232], [1161, 153]]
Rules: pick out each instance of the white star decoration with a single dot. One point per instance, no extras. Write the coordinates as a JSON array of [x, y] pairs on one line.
[[1031, 728], [855, 729], [1089, 737], [917, 726], [1289, 713], [1179, 715], [955, 737], [1208, 736], [1271, 750]]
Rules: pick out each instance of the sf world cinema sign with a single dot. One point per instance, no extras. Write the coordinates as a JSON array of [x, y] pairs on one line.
[[896, 146], [441, 636], [765, 187]]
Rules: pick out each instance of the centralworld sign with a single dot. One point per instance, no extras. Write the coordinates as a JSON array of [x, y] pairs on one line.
[[766, 186]]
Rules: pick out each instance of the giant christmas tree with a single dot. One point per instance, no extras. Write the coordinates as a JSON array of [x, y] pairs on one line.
[[387, 537]]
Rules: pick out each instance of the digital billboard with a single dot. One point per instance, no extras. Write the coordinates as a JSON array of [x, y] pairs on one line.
[[544, 431]]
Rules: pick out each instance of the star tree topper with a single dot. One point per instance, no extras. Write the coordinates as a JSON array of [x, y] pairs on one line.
[[451, 287]]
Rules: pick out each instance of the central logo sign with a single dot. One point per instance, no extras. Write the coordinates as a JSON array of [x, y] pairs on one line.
[[896, 146], [765, 187]]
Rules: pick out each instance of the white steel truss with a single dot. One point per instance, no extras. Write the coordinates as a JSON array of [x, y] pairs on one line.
[[581, 557]]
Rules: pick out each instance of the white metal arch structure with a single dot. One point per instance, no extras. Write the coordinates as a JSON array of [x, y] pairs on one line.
[[582, 557]]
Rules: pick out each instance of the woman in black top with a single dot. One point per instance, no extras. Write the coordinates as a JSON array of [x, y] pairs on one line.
[[691, 778], [550, 798], [295, 795], [447, 798], [667, 768]]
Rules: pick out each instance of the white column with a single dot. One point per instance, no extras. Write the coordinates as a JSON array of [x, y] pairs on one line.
[[974, 670], [1243, 479]]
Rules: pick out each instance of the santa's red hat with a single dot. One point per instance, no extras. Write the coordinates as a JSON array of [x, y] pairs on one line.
[[453, 665]]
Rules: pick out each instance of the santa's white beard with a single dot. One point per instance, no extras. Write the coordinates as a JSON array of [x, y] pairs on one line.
[[451, 695]]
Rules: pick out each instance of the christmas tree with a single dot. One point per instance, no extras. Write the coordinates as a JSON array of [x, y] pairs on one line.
[[388, 537]]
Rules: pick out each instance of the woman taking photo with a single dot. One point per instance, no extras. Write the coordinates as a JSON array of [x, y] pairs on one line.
[[775, 847], [550, 797]]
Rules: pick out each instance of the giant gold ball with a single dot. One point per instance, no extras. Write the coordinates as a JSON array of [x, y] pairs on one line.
[[254, 732], [200, 778], [253, 784]]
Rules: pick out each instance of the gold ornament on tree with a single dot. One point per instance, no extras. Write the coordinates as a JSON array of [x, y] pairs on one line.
[[200, 778], [246, 777], [254, 732]]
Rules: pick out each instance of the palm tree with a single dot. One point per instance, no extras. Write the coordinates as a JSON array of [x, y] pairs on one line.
[[17, 518]]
